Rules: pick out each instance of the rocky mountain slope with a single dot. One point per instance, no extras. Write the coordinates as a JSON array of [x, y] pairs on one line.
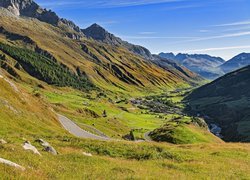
[[105, 65], [236, 62], [202, 64], [225, 102], [98, 33], [28, 8]]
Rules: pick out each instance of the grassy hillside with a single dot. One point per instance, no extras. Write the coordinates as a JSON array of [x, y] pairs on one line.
[[226, 102], [124, 160], [23, 114], [183, 132], [44, 69], [108, 67]]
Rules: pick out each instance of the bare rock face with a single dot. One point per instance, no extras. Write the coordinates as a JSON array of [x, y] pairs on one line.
[[98, 33], [30, 9], [70, 24]]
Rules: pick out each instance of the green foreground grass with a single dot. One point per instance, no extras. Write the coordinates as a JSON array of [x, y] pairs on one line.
[[128, 160]]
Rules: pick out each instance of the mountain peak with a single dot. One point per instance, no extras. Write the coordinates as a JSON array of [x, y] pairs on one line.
[[29, 8], [95, 25], [97, 32], [236, 62]]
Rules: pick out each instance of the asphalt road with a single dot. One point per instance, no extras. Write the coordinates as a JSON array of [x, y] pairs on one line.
[[77, 131]]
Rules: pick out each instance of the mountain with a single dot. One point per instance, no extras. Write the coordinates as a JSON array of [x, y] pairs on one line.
[[103, 59], [28, 8], [226, 102], [60, 88], [170, 64], [202, 64], [98, 33], [167, 55], [236, 62]]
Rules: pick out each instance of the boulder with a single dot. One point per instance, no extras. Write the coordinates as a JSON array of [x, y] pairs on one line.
[[87, 154], [9, 163], [27, 146], [47, 146], [2, 141]]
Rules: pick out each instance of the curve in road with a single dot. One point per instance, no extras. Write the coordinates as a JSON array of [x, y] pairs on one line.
[[77, 131]]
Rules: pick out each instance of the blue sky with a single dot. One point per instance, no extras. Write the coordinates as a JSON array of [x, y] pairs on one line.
[[216, 27]]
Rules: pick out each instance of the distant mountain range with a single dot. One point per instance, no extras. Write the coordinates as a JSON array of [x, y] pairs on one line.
[[204, 65], [226, 102], [207, 66], [236, 62]]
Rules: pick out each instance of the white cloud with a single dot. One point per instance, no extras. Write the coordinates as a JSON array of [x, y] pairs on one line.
[[217, 49], [156, 37], [204, 30], [104, 3], [239, 23], [147, 33], [239, 34]]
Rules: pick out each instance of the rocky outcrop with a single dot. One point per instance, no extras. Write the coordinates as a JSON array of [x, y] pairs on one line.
[[29, 8], [98, 33], [70, 24]]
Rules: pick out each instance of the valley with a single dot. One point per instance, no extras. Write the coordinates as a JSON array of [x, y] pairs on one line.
[[85, 104], [116, 158]]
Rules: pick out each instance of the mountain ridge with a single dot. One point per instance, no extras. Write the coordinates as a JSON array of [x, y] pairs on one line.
[[98, 33], [237, 62], [104, 64], [202, 64], [30, 8]]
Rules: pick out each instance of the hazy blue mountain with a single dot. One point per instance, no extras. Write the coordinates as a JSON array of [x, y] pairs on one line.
[[202, 64], [236, 62]]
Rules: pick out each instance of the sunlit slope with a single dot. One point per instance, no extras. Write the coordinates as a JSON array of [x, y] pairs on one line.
[[24, 115], [109, 67]]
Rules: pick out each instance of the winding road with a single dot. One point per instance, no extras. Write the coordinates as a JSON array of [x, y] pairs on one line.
[[77, 131]]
